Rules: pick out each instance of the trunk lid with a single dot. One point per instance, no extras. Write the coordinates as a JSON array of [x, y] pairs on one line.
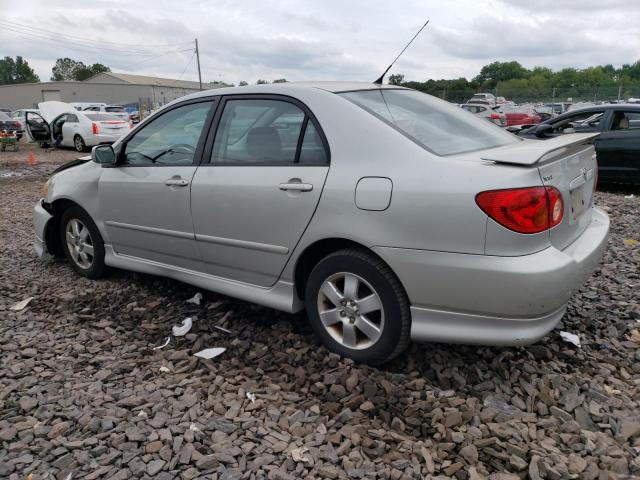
[[567, 163]]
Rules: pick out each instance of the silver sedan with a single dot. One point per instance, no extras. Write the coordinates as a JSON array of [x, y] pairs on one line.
[[388, 214]]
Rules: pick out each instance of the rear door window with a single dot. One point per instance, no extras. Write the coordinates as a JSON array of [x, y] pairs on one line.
[[267, 132], [626, 120]]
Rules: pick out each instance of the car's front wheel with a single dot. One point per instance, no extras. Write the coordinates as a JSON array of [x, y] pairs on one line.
[[358, 307], [82, 243], [78, 143]]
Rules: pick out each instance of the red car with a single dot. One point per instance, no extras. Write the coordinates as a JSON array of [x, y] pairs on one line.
[[521, 116]]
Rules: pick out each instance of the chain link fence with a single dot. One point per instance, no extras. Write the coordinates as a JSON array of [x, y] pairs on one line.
[[547, 95]]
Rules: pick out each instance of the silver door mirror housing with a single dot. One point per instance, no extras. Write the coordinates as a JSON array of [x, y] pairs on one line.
[[103, 155]]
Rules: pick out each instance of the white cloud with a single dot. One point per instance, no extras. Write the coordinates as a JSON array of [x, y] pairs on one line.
[[325, 40]]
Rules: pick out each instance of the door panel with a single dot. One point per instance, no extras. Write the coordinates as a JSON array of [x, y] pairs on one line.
[[245, 224], [146, 218], [145, 200], [618, 147], [253, 201], [37, 127]]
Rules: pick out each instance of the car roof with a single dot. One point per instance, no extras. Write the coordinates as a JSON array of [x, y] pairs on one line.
[[595, 108], [285, 88]]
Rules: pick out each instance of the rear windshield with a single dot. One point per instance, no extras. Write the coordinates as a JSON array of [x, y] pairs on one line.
[[4, 116], [434, 124], [115, 109], [102, 117]]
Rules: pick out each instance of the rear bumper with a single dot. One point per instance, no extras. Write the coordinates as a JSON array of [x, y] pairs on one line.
[[40, 220], [104, 138], [495, 300]]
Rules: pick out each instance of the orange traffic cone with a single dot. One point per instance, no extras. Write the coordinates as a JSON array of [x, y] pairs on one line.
[[32, 159]]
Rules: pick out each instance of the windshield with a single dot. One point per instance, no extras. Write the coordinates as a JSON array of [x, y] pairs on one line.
[[4, 116], [115, 109], [432, 123], [102, 117]]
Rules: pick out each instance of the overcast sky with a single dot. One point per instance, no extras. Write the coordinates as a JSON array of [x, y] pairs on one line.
[[320, 40]]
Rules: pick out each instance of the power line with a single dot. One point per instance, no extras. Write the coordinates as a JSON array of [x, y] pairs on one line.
[[99, 43], [72, 44], [188, 63], [154, 57]]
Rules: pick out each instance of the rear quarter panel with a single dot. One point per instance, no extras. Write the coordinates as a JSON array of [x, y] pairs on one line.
[[433, 200]]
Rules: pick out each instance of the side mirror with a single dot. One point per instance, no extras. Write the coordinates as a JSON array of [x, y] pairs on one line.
[[543, 129], [103, 155]]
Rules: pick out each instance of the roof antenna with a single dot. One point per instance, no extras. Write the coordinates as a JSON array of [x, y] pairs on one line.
[[379, 80]]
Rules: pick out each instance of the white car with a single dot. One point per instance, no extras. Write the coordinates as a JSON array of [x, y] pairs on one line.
[[61, 124], [117, 110], [493, 114]]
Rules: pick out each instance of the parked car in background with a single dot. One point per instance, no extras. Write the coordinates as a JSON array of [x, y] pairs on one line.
[[287, 198], [20, 116], [493, 114], [617, 146], [520, 115], [117, 110], [488, 98], [9, 124], [61, 124]]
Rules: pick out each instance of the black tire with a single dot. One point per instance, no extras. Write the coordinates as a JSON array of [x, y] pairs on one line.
[[78, 144], [97, 268], [395, 329]]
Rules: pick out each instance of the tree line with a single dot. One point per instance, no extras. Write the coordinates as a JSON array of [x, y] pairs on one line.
[[65, 69], [509, 79]]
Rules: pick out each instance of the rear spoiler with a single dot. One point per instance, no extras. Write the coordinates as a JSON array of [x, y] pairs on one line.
[[530, 152]]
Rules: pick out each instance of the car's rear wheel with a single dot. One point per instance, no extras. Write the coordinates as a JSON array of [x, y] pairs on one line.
[[358, 307], [78, 143], [82, 243]]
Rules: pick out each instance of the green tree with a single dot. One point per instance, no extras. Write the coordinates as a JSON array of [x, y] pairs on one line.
[[261, 82], [16, 71], [89, 71], [242, 83], [67, 69], [495, 72], [396, 79], [280, 80]]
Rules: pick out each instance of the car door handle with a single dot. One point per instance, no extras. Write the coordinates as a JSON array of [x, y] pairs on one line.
[[296, 186], [176, 182]]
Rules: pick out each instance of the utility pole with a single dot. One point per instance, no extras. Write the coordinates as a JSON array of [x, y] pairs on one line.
[[198, 60]]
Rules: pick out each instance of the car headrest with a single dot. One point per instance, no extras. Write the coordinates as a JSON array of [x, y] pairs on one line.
[[623, 124], [264, 143]]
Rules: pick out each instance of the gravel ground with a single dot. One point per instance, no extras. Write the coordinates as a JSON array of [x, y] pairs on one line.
[[84, 395]]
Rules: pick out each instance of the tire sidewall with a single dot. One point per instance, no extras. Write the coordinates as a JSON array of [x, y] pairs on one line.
[[392, 329], [83, 146], [97, 268]]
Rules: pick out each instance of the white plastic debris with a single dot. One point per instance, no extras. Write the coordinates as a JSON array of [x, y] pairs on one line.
[[164, 369], [629, 196], [194, 428], [298, 454], [196, 299], [209, 352], [251, 397], [166, 342], [143, 414], [182, 330], [222, 329], [21, 305], [570, 338]]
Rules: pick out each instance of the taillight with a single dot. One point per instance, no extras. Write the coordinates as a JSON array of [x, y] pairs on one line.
[[495, 116], [94, 128], [523, 210]]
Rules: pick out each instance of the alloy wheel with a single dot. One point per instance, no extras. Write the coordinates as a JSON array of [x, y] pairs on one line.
[[79, 243], [79, 144], [351, 310]]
